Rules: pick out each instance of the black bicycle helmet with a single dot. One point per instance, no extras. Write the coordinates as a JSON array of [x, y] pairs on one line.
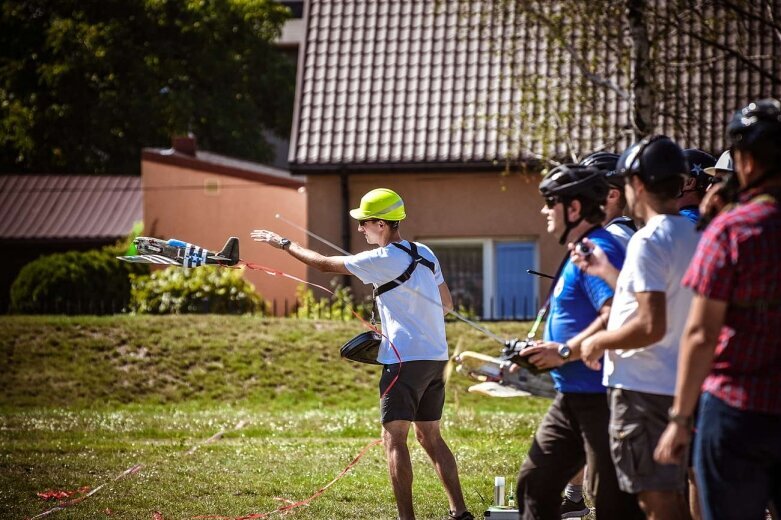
[[606, 162], [759, 121], [568, 182]]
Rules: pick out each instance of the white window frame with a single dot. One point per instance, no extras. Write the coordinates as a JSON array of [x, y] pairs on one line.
[[489, 262]]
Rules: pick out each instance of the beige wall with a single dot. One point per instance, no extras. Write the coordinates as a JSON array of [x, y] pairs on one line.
[[230, 206], [485, 205]]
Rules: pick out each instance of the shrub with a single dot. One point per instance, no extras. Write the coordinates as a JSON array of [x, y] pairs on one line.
[[339, 307], [205, 289], [73, 282]]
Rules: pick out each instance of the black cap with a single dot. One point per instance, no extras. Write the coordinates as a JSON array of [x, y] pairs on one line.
[[653, 159]]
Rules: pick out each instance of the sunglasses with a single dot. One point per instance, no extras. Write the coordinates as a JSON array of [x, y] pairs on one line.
[[364, 222], [550, 202]]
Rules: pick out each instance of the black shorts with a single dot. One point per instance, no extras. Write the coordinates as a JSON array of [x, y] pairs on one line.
[[418, 394]]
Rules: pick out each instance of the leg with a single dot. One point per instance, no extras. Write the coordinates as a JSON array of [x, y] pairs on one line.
[[734, 454], [556, 456], [663, 505], [394, 436], [610, 502], [573, 505], [430, 437]]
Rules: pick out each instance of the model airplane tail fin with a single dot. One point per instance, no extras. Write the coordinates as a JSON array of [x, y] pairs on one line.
[[230, 252]]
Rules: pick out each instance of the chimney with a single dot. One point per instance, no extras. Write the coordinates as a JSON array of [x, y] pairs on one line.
[[185, 144]]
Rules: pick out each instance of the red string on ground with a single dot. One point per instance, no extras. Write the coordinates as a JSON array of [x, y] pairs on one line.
[[294, 505]]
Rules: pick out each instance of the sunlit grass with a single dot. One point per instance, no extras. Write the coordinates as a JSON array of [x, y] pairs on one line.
[[83, 399]]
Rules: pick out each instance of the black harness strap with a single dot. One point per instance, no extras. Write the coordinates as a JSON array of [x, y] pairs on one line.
[[416, 259]]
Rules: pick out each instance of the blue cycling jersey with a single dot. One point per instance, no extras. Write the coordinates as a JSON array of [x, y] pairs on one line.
[[575, 304], [690, 212]]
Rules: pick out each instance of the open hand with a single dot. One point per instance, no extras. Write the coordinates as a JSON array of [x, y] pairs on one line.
[[269, 237]]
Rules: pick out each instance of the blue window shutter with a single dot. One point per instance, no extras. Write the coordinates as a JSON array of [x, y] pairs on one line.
[[515, 288]]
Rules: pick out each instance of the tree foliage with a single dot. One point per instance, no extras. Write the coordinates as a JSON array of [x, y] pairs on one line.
[[84, 85]]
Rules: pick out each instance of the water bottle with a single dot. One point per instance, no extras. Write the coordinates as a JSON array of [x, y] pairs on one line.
[[499, 491]]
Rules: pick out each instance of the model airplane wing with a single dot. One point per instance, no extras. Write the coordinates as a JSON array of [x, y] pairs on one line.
[[493, 373], [177, 252], [494, 389]]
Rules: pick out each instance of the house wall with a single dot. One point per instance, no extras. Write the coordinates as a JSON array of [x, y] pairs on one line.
[[206, 208], [440, 206]]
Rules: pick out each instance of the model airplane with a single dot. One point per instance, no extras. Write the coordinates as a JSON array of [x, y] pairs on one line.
[[496, 380], [177, 252]]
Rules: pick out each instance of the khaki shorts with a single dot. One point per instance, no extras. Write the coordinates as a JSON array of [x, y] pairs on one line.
[[418, 394], [637, 420]]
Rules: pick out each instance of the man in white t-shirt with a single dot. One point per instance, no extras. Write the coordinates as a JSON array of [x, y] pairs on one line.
[[412, 298], [646, 322]]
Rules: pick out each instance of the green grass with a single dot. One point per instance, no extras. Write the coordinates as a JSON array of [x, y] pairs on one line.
[[82, 399]]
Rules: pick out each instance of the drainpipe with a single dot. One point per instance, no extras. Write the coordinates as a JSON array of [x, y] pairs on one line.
[[344, 184]]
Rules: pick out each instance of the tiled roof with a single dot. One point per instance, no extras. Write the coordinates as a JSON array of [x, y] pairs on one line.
[[224, 165], [58, 207], [463, 83]]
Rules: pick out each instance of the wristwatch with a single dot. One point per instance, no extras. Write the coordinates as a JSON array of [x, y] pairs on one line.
[[687, 421], [564, 351], [284, 243]]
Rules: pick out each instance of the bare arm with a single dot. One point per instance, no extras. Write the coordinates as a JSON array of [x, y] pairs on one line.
[[599, 324], [646, 328], [447, 299], [325, 264], [698, 344], [695, 360]]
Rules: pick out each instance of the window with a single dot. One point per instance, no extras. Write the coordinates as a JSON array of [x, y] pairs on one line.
[[488, 278]]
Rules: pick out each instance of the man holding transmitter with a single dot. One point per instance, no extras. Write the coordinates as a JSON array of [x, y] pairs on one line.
[[575, 428]]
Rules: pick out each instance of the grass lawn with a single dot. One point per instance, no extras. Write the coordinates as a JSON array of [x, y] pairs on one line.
[[82, 399]]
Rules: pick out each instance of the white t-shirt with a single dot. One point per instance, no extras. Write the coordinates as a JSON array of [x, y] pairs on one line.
[[411, 313], [656, 259], [620, 232]]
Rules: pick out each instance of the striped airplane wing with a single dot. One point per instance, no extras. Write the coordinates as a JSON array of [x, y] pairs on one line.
[[149, 259]]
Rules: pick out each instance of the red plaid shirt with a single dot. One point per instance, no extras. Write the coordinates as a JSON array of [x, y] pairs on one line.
[[738, 260]]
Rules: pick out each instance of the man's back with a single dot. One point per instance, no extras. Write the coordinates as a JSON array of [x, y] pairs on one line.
[[740, 263]]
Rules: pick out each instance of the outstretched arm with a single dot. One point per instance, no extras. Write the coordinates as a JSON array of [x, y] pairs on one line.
[[325, 264]]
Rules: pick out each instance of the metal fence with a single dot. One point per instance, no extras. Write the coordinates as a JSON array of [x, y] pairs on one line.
[[514, 309]]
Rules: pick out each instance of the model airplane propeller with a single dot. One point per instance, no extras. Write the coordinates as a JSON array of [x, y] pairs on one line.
[[178, 252]]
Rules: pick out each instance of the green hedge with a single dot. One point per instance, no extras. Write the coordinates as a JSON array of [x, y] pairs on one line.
[[74, 282], [205, 289]]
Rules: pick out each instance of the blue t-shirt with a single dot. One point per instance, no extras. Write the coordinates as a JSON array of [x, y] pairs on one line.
[[690, 212], [575, 304]]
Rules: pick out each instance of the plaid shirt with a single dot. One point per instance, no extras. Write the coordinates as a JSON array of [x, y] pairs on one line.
[[738, 260]]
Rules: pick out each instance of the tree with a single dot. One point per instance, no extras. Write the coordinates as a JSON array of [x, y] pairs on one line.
[[86, 84], [611, 72]]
